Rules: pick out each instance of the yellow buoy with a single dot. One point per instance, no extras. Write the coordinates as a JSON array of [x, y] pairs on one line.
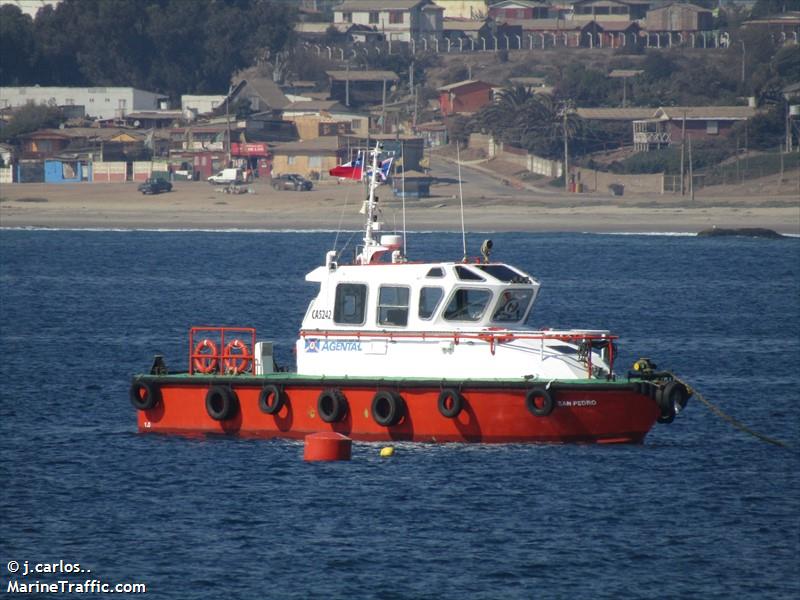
[[387, 451]]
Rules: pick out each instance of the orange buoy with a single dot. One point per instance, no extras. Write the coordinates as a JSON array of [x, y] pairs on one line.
[[327, 445]]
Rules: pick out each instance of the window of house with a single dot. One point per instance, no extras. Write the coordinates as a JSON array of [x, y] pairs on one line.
[[290, 160], [351, 303], [395, 17], [602, 10], [619, 10], [314, 162], [373, 17], [429, 299], [712, 127], [467, 304], [347, 17], [393, 305], [355, 124]]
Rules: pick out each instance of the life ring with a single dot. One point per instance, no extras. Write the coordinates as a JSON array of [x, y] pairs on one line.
[[387, 408], [331, 405], [271, 399], [144, 395], [544, 406], [222, 403], [450, 403], [671, 400], [236, 363], [205, 362]]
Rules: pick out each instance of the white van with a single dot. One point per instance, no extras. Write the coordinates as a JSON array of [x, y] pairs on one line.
[[227, 176]]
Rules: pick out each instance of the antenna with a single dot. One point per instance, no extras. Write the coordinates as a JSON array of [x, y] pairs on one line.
[[403, 188], [461, 200]]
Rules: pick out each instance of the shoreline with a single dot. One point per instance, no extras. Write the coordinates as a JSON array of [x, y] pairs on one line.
[[334, 207]]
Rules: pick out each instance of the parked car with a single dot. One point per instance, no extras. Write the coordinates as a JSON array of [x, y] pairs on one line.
[[227, 177], [292, 181], [155, 185]]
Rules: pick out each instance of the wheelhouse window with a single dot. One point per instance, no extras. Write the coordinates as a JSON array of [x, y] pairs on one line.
[[504, 273], [393, 306], [429, 299], [435, 272], [465, 274], [467, 304], [351, 302], [512, 306]]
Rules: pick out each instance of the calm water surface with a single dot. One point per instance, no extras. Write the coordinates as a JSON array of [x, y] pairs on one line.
[[700, 510]]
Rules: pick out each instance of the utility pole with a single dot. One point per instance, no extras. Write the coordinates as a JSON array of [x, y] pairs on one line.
[[683, 151], [566, 153], [744, 54], [383, 108], [691, 172], [228, 123], [347, 84]]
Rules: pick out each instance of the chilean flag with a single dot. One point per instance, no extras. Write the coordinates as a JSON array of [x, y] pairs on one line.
[[350, 170]]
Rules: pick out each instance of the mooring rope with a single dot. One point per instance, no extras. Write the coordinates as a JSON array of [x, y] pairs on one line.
[[726, 417]]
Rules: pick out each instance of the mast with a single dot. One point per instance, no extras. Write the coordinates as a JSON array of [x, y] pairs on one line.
[[371, 210]]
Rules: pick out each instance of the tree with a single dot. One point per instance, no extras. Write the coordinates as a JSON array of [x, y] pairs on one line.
[[30, 117], [16, 45]]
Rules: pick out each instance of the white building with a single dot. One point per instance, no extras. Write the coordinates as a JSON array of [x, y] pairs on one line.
[[193, 105], [98, 102], [31, 7], [398, 20]]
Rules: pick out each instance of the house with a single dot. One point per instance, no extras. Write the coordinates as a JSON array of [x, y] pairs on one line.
[[98, 102], [467, 96], [609, 10], [194, 105], [786, 23], [309, 158], [397, 20], [315, 118], [664, 128], [261, 92], [510, 10], [464, 9], [412, 184], [679, 18], [355, 88], [408, 150], [153, 119]]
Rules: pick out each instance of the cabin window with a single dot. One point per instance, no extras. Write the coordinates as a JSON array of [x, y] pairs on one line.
[[435, 272], [512, 305], [429, 299], [393, 305], [467, 304], [351, 302], [465, 274], [504, 273]]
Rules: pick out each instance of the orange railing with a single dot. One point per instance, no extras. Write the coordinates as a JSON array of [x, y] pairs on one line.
[[226, 350]]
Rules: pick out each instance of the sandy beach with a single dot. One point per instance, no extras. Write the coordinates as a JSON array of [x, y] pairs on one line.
[[490, 204]]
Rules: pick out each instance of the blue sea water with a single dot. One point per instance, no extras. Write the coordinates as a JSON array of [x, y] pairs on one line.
[[700, 510]]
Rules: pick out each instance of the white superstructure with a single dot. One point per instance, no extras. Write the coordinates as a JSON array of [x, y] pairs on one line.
[[385, 316]]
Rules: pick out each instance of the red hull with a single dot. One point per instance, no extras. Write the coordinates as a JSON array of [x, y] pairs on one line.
[[605, 413]]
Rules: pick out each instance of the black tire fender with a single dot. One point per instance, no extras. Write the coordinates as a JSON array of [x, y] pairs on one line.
[[331, 405], [671, 399], [222, 403], [271, 399], [451, 402], [387, 408], [545, 405], [144, 395]]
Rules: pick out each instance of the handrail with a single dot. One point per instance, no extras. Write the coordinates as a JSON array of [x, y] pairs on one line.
[[492, 337]]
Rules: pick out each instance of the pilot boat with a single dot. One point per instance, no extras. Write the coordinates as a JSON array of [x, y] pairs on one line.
[[391, 349]]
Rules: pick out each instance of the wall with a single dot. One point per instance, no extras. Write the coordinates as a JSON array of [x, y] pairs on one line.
[[303, 165], [598, 181], [6, 175], [108, 172]]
